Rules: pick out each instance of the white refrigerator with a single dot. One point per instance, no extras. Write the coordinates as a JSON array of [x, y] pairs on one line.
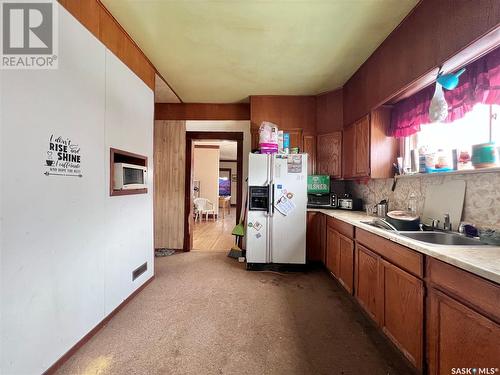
[[277, 204]]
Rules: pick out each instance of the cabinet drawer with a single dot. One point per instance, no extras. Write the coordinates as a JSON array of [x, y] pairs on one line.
[[341, 227], [478, 292], [401, 256]]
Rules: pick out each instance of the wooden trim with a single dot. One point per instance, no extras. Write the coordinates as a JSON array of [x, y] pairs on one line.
[[139, 159], [52, 369], [215, 147], [202, 111], [470, 53], [191, 136], [89, 13], [392, 67]]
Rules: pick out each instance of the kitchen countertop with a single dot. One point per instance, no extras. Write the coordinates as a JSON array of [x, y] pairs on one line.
[[481, 260]]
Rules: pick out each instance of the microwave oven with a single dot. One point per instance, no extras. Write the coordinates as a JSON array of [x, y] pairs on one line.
[[130, 176]]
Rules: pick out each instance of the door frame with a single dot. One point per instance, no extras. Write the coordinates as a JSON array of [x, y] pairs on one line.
[[192, 136]]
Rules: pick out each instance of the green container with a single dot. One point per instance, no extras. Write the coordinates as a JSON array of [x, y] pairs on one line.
[[483, 155], [318, 184]]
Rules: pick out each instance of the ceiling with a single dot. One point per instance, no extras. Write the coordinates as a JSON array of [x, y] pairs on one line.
[[223, 51], [163, 93], [228, 149]]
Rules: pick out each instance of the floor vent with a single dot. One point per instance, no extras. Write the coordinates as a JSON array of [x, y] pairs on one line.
[[139, 271]]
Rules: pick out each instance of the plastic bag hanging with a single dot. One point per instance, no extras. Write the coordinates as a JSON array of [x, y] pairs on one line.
[[438, 109]]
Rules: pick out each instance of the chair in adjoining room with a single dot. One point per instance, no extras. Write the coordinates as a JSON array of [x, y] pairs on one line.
[[203, 206]]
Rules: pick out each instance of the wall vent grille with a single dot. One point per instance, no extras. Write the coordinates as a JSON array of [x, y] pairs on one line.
[[139, 271]]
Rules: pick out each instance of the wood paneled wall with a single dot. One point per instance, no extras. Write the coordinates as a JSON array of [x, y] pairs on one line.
[[329, 112], [202, 111], [169, 175], [288, 112], [430, 35], [95, 17]]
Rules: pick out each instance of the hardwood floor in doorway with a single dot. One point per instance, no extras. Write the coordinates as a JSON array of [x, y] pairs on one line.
[[214, 235]]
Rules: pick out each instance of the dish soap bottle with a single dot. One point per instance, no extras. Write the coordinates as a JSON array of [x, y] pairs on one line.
[[412, 204]]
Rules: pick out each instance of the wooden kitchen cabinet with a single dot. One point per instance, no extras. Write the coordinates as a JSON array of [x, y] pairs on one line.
[[459, 337], [340, 253], [315, 237], [368, 151], [463, 319], [402, 310], [362, 150], [309, 143], [346, 266], [391, 296], [332, 251], [329, 154], [367, 281]]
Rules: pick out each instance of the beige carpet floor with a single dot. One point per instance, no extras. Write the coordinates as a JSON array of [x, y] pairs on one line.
[[204, 314]]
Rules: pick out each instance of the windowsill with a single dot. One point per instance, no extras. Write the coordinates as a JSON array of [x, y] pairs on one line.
[[465, 171]]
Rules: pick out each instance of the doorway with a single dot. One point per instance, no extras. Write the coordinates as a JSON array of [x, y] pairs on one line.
[[213, 189]]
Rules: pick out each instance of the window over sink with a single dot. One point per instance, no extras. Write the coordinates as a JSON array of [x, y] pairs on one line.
[[438, 140]]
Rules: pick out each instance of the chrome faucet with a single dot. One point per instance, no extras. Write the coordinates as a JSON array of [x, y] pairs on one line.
[[447, 222]]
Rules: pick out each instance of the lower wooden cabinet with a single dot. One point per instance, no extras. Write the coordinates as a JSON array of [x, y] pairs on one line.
[[346, 266], [340, 258], [402, 310], [394, 299], [367, 281], [332, 251], [315, 237], [459, 337]]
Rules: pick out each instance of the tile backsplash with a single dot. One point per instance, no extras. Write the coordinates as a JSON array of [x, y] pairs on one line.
[[482, 194]]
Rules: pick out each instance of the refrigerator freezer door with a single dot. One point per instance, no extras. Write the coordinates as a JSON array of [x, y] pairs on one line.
[[257, 238], [288, 232]]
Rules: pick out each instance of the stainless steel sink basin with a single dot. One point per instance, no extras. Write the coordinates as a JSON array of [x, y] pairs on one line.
[[442, 238]]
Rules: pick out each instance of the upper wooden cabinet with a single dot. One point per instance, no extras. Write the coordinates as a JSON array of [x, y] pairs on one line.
[[329, 154], [309, 148], [367, 149]]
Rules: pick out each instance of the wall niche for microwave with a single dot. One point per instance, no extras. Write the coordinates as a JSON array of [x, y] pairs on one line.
[[128, 173]]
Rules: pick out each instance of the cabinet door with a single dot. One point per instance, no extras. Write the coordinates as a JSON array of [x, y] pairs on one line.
[[314, 237], [332, 251], [367, 280], [402, 310], [362, 144], [309, 142], [459, 337], [295, 138], [330, 154], [346, 268], [349, 151]]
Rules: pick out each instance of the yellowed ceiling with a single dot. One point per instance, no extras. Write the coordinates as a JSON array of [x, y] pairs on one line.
[[223, 51]]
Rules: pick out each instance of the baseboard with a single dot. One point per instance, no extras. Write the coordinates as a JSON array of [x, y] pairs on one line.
[[52, 369]]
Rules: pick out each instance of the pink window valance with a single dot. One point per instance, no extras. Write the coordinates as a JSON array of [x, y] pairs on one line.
[[480, 83]]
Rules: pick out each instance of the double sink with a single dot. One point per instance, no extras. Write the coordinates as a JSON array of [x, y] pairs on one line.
[[432, 237]]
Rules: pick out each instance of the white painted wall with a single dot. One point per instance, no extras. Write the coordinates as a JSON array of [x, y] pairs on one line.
[[206, 170], [228, 126], [67, 248]]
